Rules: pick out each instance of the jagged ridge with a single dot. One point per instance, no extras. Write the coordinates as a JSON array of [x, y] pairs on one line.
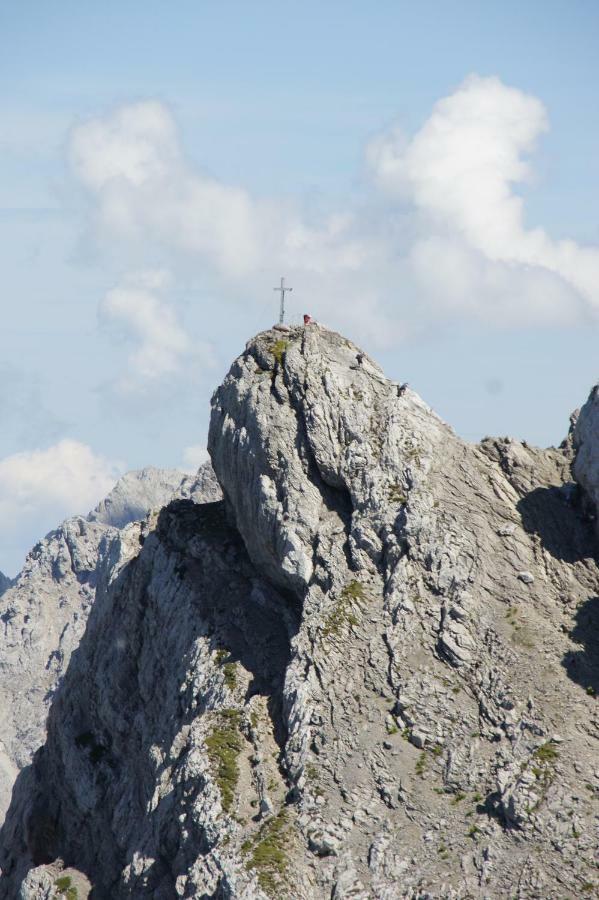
[[373, 677]]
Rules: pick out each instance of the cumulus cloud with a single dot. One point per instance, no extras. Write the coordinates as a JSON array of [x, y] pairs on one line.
[[39, 488], [131, 161], [68, 477], [459, 173], [147, 196], [449, 240], [145, 318]]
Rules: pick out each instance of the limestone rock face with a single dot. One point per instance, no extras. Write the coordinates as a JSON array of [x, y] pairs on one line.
[[150, 488], [5, 583], [586, 442], [43, 614], [370, 672]]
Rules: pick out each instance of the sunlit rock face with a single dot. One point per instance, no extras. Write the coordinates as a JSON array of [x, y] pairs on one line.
[[368, 672], [150, 488]]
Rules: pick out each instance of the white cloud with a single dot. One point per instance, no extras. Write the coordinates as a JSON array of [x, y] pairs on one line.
[[458, 171], [132, 163], [39, 488], [137, 144], [145, 318], [161, 342], [148, 198], [449, 240], [460, 165], [194, 456]]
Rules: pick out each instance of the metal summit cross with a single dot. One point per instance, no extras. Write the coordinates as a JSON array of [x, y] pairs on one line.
[[283, 290]]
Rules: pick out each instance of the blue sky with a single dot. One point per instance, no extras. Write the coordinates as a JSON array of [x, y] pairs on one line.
[[425, 175]]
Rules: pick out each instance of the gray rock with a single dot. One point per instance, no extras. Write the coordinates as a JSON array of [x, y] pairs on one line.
[[526, 577], [585, 432], [43, 612], [506, 530], [138, 492], [224, 726]]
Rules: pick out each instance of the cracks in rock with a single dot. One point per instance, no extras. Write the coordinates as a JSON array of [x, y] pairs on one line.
[[210, 560], [335, 499]]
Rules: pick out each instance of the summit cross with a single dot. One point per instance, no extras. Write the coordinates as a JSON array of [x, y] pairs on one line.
[[283, 290]]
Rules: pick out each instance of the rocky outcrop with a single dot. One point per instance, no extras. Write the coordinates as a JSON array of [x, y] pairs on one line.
[[150, 488], [5, 583], [370, 672], [44, 613], [586, 441]]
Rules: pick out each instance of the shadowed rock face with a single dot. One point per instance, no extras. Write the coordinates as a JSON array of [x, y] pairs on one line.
[[369, 673], [44, 611]]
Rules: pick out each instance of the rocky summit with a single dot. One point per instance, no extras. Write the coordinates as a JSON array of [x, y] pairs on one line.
[[369, 671]]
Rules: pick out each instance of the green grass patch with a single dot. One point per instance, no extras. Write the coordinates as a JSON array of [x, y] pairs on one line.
[[353, 591], [421, 764], [64, 886], [546, 753], [267, 855], [229, 669], [278, 350], [224, 746], [544, 759], [230, 673], [344, 613]]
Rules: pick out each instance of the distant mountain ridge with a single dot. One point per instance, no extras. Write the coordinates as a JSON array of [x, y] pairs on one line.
[[150, 488]]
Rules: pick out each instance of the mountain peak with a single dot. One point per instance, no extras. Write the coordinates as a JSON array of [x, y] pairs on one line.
[[369, 672]]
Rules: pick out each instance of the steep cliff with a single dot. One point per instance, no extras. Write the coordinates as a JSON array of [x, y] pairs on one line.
[[44, 613], [370, 672]]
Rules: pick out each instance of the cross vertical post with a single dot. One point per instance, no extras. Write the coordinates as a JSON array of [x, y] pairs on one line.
[[283, 290]]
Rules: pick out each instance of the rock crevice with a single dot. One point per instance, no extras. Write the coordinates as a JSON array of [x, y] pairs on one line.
[[369, 672]]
